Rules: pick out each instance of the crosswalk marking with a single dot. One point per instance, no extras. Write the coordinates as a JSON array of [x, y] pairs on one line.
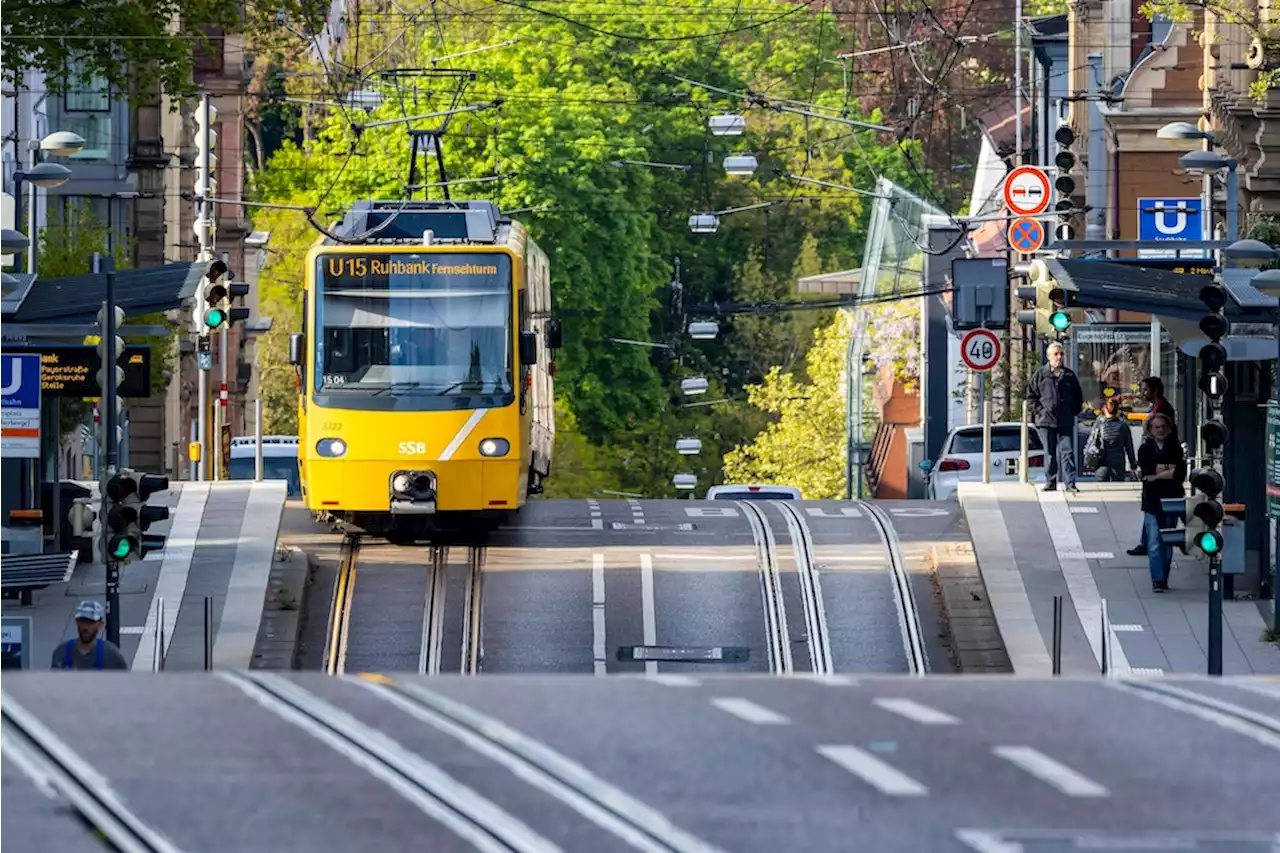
[[1052, 772], [745, 709], [916, 712], [873, 771]]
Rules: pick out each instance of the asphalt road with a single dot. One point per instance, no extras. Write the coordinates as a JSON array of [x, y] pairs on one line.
[[1000, 765], [633, 586]]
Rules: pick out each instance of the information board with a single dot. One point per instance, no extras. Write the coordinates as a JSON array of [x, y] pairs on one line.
[[15, 642], [72, 371]]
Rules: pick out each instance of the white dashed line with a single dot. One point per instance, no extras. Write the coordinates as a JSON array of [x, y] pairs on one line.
[[833, 680], [916, 712], [673, 680], [873, 771], [597, 521], [1051, 772], [597, 613], [745, 709], [648, 615]]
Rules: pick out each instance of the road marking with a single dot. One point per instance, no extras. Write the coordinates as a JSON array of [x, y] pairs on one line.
[[844, 512], [831, 680], [1127, 628], [710, 512], [136, 629], [709, 558], [1084, 510], [1051, 772], [916, 712], [637, 512], [1146, 670], [671, 679], [597, 613], [745, 709], [171, 583], [1074, 554], [648, 616], [873, 771], [593, 506]]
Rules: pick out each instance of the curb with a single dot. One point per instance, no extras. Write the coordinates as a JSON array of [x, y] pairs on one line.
[[282, 608], [972, 633]]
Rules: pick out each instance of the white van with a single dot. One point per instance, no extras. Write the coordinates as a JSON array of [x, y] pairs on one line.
[[753, 493], [279, 460]]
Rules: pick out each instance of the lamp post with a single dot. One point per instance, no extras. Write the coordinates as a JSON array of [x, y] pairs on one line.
[[62, 143]]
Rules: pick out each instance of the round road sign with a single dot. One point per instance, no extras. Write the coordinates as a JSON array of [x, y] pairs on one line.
[[1026, 235], [1026, 191], [980, 349]]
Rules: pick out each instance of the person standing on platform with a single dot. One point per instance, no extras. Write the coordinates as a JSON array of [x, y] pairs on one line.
[[1152, 391], [1164, 469], [89, 649], [1055, 399]]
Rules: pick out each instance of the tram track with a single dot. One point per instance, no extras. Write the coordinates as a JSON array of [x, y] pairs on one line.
[[904, 597], [415, 609]]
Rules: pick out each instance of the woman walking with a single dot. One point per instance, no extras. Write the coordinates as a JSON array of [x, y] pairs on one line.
[[1164, 469], [1110, 445]]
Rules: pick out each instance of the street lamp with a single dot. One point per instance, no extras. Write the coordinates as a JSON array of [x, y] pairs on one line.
[[727, 125], [693, 387], [62, 143], [685, 482], [1207, 163], [688, 446], [704, 331], [704, 223], [740, 164], [12, 242], [1249, 253], [46, 175]]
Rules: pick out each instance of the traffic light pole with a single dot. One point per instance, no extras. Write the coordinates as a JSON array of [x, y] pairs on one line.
[[111, 448], [1215, 615]]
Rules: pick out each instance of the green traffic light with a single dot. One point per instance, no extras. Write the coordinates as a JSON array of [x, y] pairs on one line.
[[120, 548], [214, 318], [1210, 542], [1060, 320]]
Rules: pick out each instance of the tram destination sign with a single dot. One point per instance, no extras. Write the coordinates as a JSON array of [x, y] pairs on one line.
[[72, 371]]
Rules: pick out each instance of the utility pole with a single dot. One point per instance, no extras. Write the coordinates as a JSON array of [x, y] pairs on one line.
[[1017, 81], [1096, 174], [111, 448]]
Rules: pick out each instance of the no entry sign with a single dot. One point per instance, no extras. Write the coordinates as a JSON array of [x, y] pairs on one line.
[[980, 349]]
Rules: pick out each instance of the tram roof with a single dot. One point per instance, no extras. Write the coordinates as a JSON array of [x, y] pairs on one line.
[[399, 222]]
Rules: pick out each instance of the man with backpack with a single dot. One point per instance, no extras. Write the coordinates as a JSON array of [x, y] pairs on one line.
[[88, 650]]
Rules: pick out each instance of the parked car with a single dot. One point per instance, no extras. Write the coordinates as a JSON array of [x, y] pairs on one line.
[[961, 458], [753, 493], [279, 460]]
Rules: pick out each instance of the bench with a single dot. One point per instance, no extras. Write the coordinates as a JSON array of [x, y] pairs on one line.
[[21, 574]]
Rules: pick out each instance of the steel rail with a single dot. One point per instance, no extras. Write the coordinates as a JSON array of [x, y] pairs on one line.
[[472, 650], [610, 808], [775, 609], [1262, 728], [433, 612], [465, 812], [815, 613], [56, 768], [340, 609], [904, 598]]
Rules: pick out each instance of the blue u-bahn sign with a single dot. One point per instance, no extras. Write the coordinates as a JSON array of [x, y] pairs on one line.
[[1171, 219]]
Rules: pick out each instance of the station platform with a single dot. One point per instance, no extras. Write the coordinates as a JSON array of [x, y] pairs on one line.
[[220, 543], [1031, 545]]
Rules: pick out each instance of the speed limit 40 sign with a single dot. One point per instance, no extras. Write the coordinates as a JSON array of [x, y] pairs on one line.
[[980, 349]]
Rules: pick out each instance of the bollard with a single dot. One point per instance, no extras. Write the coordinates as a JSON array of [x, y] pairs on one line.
[[157, 653], [1024, 475], [986, 441], [208, 633], [1106, 644], [1057, 635]]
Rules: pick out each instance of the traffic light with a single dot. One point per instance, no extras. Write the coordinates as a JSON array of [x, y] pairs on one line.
[[128, 517], [1201, 515], [110, 356], [237, 290], [206, 139], [1213, 360], [211, 307], [1064, 184], [1051, 299]]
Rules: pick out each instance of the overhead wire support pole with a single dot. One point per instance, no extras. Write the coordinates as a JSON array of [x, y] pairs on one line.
[[1017, 81], [203, 234], [473, 108]]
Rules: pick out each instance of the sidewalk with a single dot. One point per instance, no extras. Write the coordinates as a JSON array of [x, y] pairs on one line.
[[1033, 545], [220, 543]]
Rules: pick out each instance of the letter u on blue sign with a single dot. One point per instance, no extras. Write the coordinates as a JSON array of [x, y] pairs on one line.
[[20, 381]]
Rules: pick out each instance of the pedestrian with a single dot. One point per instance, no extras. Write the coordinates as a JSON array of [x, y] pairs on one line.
[[1152, 391], [1110, 445], [88, 649], [1163, 467], [1055, 399]]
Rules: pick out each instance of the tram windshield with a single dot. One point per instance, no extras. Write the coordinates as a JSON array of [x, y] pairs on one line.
[[414, 323]]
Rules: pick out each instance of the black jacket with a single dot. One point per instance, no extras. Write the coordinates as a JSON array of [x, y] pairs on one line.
[[1116, 441], [1149, 456], [1055, 402]]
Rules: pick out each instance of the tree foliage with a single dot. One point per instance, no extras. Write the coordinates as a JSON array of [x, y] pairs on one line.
[[576, 100], [138, 47]]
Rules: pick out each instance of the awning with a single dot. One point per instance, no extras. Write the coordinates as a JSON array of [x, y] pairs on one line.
[[78, 298], [1099, 284]]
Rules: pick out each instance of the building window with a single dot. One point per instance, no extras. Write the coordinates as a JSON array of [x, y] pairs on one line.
[[87, 111]]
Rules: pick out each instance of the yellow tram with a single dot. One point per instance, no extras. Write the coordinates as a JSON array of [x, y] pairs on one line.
[[425, 370]]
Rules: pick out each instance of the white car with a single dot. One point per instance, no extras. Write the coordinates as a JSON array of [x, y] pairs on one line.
[[961, 458], [753, 493]]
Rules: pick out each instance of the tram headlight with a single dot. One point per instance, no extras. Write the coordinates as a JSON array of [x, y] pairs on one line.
[[331, 447], [495, 447], [401, 483]]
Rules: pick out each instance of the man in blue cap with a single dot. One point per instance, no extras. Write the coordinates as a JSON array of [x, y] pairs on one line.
[[88, 650]]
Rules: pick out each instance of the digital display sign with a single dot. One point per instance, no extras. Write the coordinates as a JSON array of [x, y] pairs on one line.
[[72, 371]]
